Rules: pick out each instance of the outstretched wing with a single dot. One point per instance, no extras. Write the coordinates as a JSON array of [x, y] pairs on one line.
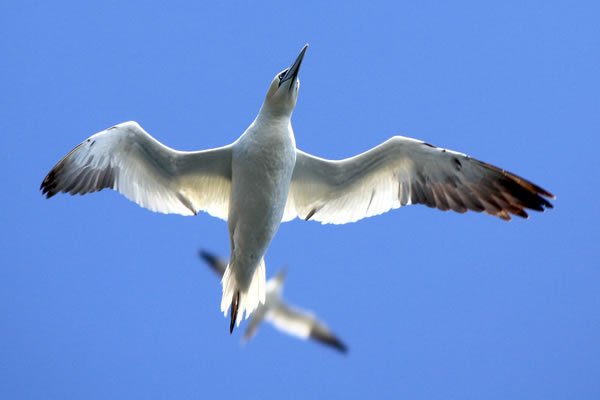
[[217, 264], [303, 325], [404, 171], [127, 159]]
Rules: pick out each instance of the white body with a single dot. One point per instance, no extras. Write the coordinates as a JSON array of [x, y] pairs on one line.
[[263, 162]]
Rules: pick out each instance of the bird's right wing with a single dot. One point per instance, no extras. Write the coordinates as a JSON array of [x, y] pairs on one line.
[[127, 159], [303, 325], [217, 264]]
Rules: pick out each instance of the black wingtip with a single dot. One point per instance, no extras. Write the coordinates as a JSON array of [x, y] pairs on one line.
[[206, 256], [48, 185], [234, 310], [329, 339], [338, 345]]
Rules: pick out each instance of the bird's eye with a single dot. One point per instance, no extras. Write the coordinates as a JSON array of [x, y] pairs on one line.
[[281, 75]]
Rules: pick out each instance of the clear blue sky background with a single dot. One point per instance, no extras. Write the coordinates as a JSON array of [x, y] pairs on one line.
[[100, 298]]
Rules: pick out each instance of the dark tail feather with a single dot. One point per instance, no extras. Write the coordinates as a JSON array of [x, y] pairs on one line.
[[234, 310]]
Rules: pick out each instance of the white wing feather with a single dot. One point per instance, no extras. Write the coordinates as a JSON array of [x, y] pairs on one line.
[[291, 321], [127, 159], [302, 324], [404, 171]]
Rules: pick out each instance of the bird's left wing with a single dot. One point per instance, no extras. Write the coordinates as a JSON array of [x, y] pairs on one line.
[[127, 159], [404, 171], [303, 325]]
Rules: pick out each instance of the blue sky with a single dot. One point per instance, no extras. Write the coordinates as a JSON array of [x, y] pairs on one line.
[[100, 298]]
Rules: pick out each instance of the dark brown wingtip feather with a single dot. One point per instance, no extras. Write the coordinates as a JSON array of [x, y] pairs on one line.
[[56, 175], [532, 187], [519, 193], [521, 213], [526, 193], [504, 215], [48, 186]]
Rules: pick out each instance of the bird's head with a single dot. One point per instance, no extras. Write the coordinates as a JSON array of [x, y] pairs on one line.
[[275, 285], [283, 92]]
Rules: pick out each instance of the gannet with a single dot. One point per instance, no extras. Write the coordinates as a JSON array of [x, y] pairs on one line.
[[261, 180], [288, 319]]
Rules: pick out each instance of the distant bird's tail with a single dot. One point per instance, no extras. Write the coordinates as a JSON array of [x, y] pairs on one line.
[[241, 299]]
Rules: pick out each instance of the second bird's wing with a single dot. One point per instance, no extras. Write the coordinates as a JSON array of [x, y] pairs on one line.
[[303, 325], [127, 159], [217, 264], [404, 171]]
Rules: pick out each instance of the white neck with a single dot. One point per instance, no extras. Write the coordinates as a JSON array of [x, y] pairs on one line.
[[274, 111]]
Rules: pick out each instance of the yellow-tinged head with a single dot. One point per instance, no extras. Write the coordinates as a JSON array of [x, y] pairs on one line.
[[283, 92]]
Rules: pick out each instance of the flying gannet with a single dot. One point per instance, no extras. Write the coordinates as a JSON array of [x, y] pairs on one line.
[[284, 317], [261, 180]]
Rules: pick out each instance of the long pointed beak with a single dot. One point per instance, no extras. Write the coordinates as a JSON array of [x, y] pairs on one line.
[[292, 71]]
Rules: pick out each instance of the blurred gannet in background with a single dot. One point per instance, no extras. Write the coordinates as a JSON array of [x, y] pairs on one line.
[[261, 180], [292, 321]]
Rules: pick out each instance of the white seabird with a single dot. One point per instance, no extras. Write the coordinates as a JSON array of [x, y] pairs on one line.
[[288, 319], [261, 180]]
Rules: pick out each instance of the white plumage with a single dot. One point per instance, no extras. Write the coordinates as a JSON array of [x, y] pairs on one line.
[[261, 180]]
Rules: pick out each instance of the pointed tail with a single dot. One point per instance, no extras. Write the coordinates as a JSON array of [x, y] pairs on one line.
[[239, 299]]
